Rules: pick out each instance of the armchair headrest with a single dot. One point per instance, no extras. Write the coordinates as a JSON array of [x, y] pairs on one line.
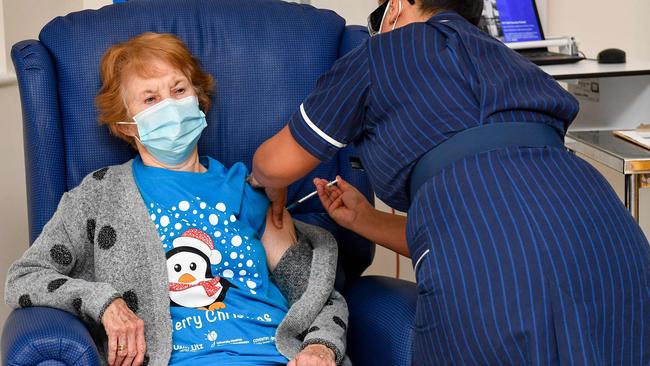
[[265, 55]]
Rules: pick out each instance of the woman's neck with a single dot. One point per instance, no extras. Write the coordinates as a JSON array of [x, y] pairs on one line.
[[191, 165]]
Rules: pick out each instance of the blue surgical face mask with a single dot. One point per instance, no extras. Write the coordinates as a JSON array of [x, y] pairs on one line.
[[171, 129]]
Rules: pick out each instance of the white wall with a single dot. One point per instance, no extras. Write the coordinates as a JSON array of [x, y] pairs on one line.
[[355, 12], [542, 9], [95, 4], [13, 210], [3, 51], [600, 24]]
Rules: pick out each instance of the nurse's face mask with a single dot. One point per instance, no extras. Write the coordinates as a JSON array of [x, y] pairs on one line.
[[170, 129], [377, 17]]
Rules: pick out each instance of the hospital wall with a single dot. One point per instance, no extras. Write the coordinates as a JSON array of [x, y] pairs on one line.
[[596, 23], [600, 24]]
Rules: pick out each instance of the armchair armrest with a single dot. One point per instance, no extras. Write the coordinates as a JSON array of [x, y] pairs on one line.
[[34, 335], [382, 316]]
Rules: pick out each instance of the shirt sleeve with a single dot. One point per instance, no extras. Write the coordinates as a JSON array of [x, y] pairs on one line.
[[253, 209], [42, 277], [332, 115]]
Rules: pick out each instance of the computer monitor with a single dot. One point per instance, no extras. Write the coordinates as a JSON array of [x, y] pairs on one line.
[[515, 21], [512, 20]]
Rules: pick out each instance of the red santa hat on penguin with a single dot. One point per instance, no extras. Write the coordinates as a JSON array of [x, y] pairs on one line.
[[198, 239]]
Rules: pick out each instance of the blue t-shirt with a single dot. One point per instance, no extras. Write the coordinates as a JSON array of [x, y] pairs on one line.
[[224, 308]]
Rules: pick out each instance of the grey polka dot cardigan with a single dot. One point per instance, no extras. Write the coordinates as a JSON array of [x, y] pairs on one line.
[[101, 244]]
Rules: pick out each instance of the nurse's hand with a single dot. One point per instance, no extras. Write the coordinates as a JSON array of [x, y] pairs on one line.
[[350, 209], [344, 203], [278, 198], [314, 355]]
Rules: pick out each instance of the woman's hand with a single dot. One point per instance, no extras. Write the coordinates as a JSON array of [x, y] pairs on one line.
[[126, 343], [314, 355], [344, 203]]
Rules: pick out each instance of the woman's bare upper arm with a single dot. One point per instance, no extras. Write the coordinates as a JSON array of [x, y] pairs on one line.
[[277, 241]]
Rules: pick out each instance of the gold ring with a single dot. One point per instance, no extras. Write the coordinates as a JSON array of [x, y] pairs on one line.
[[121, 347]]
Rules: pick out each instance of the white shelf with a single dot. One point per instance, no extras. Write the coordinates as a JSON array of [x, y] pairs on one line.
[[592, 69]]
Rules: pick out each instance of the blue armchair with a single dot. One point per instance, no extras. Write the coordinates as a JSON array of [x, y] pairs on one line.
[[266, 55]]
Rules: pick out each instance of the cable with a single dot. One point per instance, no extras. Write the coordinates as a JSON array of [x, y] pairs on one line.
[[585, 56]]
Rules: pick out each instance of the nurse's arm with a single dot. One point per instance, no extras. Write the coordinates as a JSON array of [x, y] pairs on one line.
[[280, 161], [385, 229], [350, 209]]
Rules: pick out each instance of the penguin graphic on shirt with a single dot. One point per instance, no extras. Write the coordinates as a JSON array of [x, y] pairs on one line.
[[191, 283]]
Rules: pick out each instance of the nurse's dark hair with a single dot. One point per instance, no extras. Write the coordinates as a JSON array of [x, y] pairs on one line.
[[468, 9]]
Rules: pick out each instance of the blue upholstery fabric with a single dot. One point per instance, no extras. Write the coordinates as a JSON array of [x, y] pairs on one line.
[[386, 307], [43, 133], [265, 55], [46, 336], [354, 35]]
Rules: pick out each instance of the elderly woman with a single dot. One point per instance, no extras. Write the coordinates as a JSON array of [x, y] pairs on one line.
[[164, 251]]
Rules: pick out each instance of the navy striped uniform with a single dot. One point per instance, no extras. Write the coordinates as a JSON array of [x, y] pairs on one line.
[[522, 255]]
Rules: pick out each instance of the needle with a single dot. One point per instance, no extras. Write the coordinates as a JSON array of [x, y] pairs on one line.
[[312, 194]]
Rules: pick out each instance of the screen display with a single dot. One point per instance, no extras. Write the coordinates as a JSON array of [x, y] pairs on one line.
[[511, 20]]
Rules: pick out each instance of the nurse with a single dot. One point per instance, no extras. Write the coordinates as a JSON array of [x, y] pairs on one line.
[[523, 253]]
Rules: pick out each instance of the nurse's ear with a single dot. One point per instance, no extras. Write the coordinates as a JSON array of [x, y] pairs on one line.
[[401, 13], [392, 16]]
